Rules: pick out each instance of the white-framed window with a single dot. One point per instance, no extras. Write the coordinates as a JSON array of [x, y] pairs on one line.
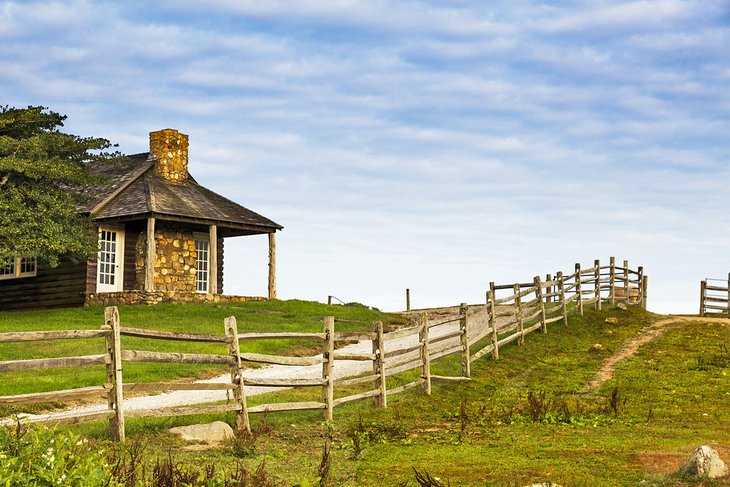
[[202, 264], [110, 260], [16, 267]]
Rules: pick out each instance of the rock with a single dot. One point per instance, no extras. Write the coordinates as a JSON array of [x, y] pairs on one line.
[[214, 432], [612, 319], [597, 347], [622, 306], [706, 463], [543, 484]]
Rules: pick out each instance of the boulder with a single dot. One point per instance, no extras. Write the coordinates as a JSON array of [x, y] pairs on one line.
[[214, 432], [705, 463]]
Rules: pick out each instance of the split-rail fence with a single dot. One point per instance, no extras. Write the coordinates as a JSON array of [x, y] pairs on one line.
[[715, 296], [527, 308]]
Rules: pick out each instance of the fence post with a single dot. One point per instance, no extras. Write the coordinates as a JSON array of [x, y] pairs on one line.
[[644, 288], [728, 294], [239, 392], [381, 400], [640, 287], [538, 291], [561, 297], [492, 321], [703, 284], [626, 280], [597, 276], [549, 288], [612, 281], [518, 309], [115, 400], [578, 289], [329, 300], [408, 299], [464, 338], [425, 356], [328, 348]]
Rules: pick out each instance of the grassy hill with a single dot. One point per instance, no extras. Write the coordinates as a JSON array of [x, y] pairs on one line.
[[528, 417]]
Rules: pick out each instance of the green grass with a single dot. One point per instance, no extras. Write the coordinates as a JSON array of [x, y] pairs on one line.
[[676, 397], [280, 316]]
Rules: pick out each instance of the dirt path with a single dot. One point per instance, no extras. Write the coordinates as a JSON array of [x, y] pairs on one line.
[[630, 347]]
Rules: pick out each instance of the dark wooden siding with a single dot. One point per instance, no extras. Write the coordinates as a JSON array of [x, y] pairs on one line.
[[131, 236], [220, 266], [62, 286]]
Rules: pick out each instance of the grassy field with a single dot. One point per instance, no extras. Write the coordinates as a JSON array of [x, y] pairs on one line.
[[291, 315], [525, 418]]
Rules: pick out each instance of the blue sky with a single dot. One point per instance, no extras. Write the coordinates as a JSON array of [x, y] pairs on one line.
[[430, 145]]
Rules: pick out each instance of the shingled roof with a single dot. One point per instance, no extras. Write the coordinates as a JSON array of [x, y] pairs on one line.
[[134, 189]]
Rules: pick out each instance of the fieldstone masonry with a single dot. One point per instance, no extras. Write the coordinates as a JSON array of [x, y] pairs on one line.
[[174, 261], [170, 148]]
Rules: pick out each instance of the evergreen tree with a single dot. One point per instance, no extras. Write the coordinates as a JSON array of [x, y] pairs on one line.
[[41, 171]]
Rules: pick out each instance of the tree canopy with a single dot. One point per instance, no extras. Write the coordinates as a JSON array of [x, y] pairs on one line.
[[41, 173]]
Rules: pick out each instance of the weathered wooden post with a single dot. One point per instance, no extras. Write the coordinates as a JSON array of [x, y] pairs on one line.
[[272, 266], [626, 280], [518, 310], [239, 392], [578, 288], [703, 291], [492, 320], [644, 289], [328, 349], [408, 299], [561, 296], [727, 310], [464, 338], [549, 288], [612, 280], [425, 356], [640, 287], [381, 400], [115, 399], [329, 300], [541, 302], [597, 279]]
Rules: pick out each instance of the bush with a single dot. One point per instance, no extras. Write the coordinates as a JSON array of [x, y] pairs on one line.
[[39, 456]]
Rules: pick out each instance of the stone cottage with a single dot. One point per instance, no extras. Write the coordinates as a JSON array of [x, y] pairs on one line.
[[161, 237]]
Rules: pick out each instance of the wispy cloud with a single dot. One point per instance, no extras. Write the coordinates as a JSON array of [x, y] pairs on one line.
[[436, 146]]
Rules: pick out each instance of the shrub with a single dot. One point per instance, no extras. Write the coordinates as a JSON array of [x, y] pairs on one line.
[[39, 456]]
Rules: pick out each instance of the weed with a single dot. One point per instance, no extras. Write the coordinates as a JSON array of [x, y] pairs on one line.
[[463, 418], [424, 479], [325, 464], [616, 403], [242, 443], [720, 359], [537, 405]]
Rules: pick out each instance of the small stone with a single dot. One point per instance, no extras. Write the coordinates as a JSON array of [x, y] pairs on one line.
[[597, 347], [622, 306], [543, 484], [705, 462], [612, 319]]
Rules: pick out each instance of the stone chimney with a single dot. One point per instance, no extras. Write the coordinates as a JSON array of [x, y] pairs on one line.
[[170, 148]]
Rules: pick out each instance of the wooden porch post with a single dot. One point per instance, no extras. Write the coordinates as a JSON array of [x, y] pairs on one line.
[[272, 266], [213, 258], [149, 268]]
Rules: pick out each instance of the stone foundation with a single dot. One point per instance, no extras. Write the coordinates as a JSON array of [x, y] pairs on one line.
[[154, 297]]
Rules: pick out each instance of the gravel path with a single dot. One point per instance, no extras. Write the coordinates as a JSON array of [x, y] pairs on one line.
[[342, 368]]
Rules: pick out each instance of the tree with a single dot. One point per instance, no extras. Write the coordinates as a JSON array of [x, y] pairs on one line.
[[42, 172]]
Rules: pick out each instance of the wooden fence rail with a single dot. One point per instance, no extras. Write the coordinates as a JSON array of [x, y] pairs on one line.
[[530, 307], [715, 296]]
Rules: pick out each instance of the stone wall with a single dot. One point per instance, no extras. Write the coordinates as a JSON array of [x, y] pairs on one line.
[[154, 297], [174, 260]]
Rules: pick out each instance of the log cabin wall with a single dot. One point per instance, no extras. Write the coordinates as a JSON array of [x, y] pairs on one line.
[[62, 286]]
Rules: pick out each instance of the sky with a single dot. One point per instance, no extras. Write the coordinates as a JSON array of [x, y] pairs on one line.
[[435, 146]]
